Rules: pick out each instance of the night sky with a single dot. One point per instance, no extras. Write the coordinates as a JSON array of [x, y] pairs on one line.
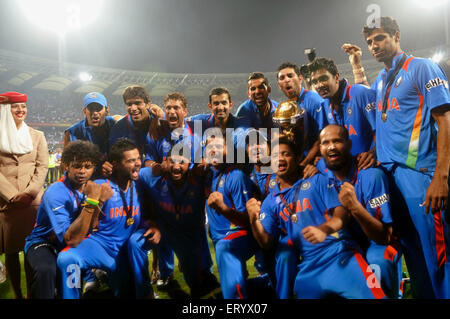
[[227, 36]]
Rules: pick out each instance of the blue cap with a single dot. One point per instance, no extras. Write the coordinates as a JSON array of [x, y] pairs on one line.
[[95, 97]]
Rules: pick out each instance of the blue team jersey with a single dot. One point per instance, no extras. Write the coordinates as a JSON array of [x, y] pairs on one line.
[[248, 115], [315, 119], [315, 201], [234, 132], [409, 135], [158, 150], [112, 230], [126, 128], [179, 210], [59, 207], [264, 183], [371, 188], [236, 188], [357, 114], [100, 137]]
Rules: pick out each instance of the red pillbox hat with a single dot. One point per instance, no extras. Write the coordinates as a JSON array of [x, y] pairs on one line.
[[12, 97]]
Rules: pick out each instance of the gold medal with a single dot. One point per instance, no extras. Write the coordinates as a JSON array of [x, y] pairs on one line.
[[130, 221], [383, 117], [294, 218]]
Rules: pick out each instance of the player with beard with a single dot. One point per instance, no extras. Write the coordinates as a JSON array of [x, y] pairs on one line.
[[120, 217], [364, 193], [310, 213], [257, 111], [174, 130], [179, 199], [352, 106]]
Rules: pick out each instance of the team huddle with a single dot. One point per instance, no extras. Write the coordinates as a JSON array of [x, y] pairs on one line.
[[327, 190]]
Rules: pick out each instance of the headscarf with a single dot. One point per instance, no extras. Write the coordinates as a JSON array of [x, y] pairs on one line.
[[13, 140]]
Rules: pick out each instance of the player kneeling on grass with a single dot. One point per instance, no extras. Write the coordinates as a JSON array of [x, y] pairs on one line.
[[62, 219], [120, 216], [179, 201], [365, 194], [310, 211]]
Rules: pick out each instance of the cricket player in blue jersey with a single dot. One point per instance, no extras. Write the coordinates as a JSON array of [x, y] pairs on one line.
[[59, 214], [221, 118], [311, 214], [365, 194], [96, 125], [290, 83], [257, 111], [177, 131], [229, 190], [352, 106], [413, 145], [179, 199], [136, 126], [157, 149], [105, 248]]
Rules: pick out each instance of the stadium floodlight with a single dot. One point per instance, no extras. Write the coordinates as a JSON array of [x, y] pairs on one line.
[[437, 57], [61, 16], [85, 77]]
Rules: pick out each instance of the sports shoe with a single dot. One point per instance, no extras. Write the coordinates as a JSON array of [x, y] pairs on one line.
[[164, 283]]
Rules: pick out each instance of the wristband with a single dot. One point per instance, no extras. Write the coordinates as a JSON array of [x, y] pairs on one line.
[[91, 201]]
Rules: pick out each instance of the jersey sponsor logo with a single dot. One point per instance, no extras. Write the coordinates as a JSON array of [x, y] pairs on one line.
[[330, 185], [262, 216], [244, 192], [222, 181], [56, 208], [435, 83], [398, 82], [371, 106], [319, 109], [378, 201]]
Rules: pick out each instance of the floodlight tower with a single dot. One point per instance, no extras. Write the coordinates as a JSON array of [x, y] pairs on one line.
[[61, 17]]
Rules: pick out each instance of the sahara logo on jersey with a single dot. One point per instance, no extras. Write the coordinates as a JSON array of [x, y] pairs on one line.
[[378, 201], [436, 82]]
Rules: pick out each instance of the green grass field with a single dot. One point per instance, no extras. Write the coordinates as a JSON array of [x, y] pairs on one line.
[[181, 292]]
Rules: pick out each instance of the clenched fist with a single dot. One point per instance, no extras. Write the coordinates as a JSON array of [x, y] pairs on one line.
[[313, 234], [106, 192], [253, 209], [107, 169], [347, 196], [215, 201], [92, 190]]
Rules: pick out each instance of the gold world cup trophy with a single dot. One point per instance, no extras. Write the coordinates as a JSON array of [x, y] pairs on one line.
[[290, 119]]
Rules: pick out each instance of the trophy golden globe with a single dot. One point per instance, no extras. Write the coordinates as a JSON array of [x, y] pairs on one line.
[[290, 119]]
